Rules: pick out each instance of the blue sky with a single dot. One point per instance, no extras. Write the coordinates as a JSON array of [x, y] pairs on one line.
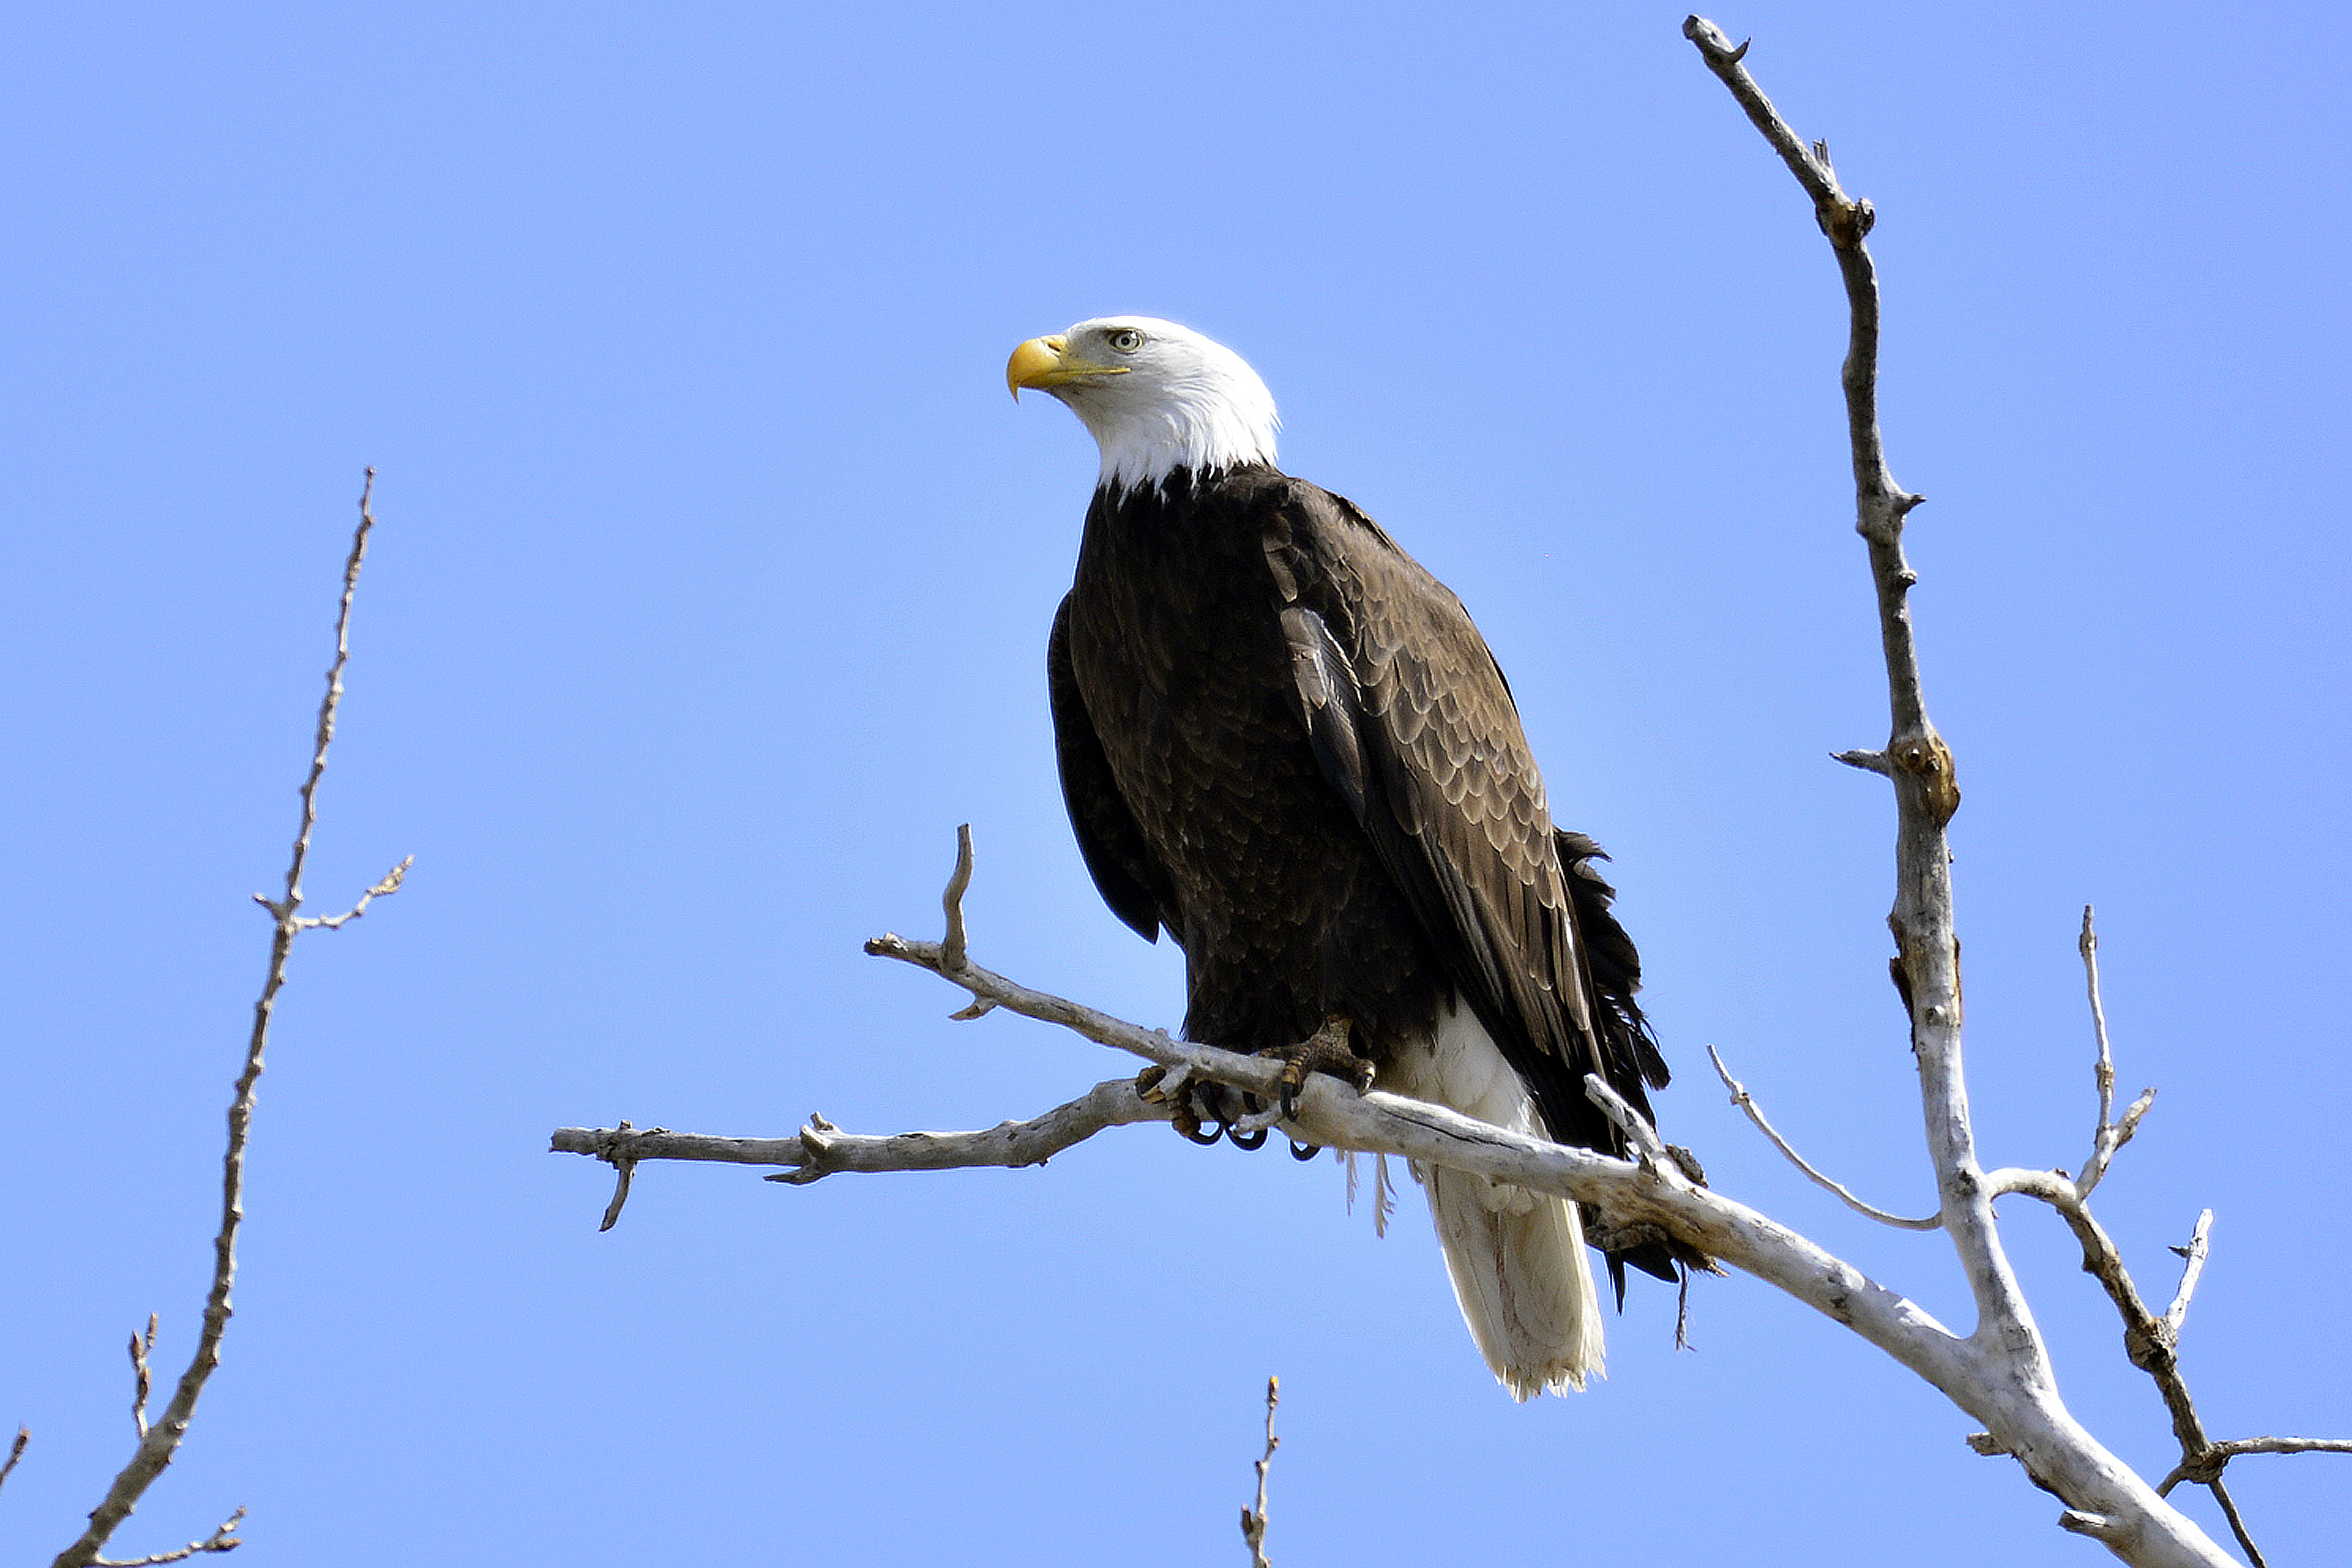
[[710, 593]]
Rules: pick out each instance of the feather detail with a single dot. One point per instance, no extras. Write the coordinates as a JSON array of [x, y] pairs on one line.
[[1516, 1258]]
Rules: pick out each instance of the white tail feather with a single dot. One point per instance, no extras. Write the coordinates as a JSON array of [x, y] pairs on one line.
[[1516, 1257], [1523, 1281]]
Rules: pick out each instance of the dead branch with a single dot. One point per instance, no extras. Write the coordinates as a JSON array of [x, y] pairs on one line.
[[2216, 1455], [143, 1382], [2105, 1498], [1640, 1136], [1254, 1519], [2148, 1343], [159, 1442], [822, 1150], [224, 1539], [16, 1452], [952, 946], [1747, 1102], [1328, 1112], [2110, 1134], [2192, 1270]]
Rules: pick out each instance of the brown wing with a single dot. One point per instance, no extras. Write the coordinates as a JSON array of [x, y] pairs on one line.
[[1413, 723], [1130, 882]]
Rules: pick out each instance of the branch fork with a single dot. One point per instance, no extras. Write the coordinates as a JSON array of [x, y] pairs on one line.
[[2106, 1501], [159, 1440]]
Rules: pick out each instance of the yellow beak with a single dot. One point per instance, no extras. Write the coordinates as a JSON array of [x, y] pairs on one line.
[[1043, 363]]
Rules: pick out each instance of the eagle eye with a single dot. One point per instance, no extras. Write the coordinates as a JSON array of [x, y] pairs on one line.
[[1127, 339]]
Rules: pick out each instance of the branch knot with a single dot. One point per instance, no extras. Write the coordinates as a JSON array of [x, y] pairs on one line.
[[1845, 222], [1925, 761]]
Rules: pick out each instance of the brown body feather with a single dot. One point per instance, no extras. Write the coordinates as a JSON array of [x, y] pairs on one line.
[[1285, 742]]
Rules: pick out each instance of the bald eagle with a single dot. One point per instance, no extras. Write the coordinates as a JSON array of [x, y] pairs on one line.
[[1283, 741]]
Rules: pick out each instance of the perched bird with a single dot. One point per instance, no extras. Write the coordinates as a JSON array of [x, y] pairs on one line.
[[1285, 743]]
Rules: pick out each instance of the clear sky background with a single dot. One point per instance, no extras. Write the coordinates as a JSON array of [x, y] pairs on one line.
[[711, 593]]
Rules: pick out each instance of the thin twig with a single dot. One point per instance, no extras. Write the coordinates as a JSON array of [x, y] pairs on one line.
[[2110, 1134], [161, 1441], [1253, 1520], [224, 1538], [2220, 1492], [2192, 1270], [2217, 1454], [821, 1149], [16, 1452], [1747, 1102], [1152, 1045], [2105, 1072], [953, 947], [624, 1171], [142, 1383], [384, 887], [1648, 1147]]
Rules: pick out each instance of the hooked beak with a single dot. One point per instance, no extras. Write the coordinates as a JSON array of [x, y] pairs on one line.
[[1044, 363]]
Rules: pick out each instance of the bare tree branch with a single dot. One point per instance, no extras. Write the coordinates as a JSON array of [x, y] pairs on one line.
[[16, 1452], [952, 946], [160, 1441], [1747, 1102], [1332, 1114], [2152, 1343], [142, 1383], [821, 1149], [2106, 1499], [2237, 1522], [1254, 1519], [2109, 1135], [1647, 1146], [987, 985], [384, 885], [2192, 1270], [2219, 1454], [224, 1539], [2149, 1343]]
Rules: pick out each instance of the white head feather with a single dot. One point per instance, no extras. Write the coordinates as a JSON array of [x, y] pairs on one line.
[[1159, 398]]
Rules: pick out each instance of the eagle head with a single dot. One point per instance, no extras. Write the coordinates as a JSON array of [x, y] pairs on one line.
[[1158, 397]]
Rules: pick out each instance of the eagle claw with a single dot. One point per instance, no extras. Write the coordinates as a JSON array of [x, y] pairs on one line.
[[1327, 1050], [1189, 1123], [1207, 1113]]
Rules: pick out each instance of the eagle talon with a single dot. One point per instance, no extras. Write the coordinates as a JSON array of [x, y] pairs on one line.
[[1188, 1121], [1157, 1085], [1327, 1050], [1207, 1113]]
